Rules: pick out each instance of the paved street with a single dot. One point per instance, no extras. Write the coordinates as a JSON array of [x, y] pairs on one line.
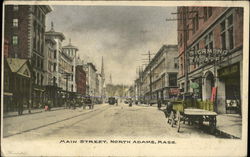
[[103, 120]]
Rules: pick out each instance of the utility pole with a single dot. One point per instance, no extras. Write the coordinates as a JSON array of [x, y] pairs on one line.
[[185, 31], [150, 73], [66, 76]]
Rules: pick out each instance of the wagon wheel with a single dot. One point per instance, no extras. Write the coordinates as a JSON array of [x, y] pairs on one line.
[[171, 118], [212, 124], [178, 117]]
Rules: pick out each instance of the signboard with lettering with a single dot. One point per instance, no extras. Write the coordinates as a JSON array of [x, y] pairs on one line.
[[224, 72], [203, 56]]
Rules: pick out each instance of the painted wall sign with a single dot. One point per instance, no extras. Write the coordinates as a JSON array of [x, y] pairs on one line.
[[228, 70], [203, 56]]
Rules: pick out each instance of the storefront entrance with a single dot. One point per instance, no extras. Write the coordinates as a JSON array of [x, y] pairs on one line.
[[231, 76]]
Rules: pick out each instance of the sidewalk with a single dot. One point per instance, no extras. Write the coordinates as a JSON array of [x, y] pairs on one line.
[[230, 125], [26, 112]]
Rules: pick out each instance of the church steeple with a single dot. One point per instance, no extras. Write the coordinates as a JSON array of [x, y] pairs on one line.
[[102, 70]]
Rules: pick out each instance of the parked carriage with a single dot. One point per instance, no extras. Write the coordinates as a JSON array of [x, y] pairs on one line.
[[191, 110]]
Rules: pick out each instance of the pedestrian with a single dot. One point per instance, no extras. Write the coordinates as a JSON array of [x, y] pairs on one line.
[[159, 104]]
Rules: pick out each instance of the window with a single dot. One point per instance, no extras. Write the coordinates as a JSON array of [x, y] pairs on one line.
[[176, 66], [41, 80], [195, 22], [15, 7], [172, 79], [15, 40], [230, 32], [54, 66], [15, 22], [209, 41], [227, 37], [42, 64], [187, 32], [207, 12], [180, 39], [37, 79], [55, 54], [223, 35]]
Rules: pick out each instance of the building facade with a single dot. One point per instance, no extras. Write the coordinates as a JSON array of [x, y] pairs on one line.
[[160, 76], [214, 50], [24, 29], [80, 80], [68, 60]]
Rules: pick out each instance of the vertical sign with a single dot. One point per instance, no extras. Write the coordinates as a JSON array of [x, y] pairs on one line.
[[213, 96]]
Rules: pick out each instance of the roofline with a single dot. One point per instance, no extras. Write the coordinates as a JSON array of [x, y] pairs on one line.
[[61, 35], [46, 8]]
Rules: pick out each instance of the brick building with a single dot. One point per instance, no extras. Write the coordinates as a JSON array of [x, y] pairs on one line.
[[24, 29], [6, 48], [80, 80], [211, 31]]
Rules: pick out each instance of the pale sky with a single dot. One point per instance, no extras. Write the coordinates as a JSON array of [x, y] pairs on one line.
[[121, 34]]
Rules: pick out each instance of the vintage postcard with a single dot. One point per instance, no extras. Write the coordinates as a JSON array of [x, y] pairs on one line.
[[124, 78]]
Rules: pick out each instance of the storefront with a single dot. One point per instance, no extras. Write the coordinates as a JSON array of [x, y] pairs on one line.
[[230, 77], [17, 84]]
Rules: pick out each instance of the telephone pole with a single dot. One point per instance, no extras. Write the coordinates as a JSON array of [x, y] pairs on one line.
[[185, 31]]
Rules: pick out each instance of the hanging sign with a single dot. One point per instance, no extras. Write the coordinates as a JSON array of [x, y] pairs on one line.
[[213, 96], [194, 85], [203, 56]]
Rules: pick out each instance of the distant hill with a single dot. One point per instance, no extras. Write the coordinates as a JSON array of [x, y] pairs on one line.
[[116, 90]]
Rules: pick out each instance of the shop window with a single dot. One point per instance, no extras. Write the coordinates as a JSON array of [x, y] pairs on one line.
[[15, 22], [15, 40], [172, 79]]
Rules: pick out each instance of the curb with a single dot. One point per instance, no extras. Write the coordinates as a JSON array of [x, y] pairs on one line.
[[9, 116], [223, 134]]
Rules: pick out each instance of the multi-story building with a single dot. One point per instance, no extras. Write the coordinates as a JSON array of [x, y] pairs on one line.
[[90, 70], [68, 67], [50, 48], [6, 48], [53, 51], [24, 29], [160, 76], [80, 80], [214, 41]]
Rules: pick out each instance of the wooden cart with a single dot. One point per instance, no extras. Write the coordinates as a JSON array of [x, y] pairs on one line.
[[192, 112]]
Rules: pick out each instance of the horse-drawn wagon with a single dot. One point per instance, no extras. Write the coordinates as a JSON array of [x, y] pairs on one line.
[[192, 111]]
